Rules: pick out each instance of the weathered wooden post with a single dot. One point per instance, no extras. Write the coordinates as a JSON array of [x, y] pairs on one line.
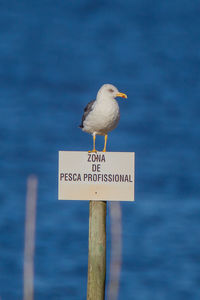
[[97, 251], [29, 247]]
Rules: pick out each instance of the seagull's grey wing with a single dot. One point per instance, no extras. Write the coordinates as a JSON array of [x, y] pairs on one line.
[[87, 110]]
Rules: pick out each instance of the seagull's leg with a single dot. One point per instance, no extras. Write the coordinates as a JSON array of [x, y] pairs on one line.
[[94, 138], [105, 142]]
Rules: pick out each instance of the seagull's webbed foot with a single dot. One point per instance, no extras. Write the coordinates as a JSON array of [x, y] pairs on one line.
[[93, 151]]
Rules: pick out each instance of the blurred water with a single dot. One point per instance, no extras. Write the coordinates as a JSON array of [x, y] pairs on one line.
[[54, 57]]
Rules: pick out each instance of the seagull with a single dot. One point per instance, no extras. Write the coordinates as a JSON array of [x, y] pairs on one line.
[[102, 115]]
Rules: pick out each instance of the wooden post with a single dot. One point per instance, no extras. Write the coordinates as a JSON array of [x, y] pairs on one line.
[[29, 248], [97, 251]]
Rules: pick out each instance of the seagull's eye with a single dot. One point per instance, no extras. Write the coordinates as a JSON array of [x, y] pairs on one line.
[[111, 90]]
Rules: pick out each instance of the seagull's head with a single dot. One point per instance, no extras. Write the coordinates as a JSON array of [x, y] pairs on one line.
[[110, 91]]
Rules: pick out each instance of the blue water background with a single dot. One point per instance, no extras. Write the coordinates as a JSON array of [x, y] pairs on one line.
[[54, 56]]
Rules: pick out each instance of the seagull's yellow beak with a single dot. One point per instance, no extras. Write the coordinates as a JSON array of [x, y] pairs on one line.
[[121, 95]]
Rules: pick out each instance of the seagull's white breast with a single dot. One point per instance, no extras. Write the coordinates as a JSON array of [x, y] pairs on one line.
[[103, 118]]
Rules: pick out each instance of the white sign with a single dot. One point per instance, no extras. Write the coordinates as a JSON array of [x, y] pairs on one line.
[[106, 176]]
